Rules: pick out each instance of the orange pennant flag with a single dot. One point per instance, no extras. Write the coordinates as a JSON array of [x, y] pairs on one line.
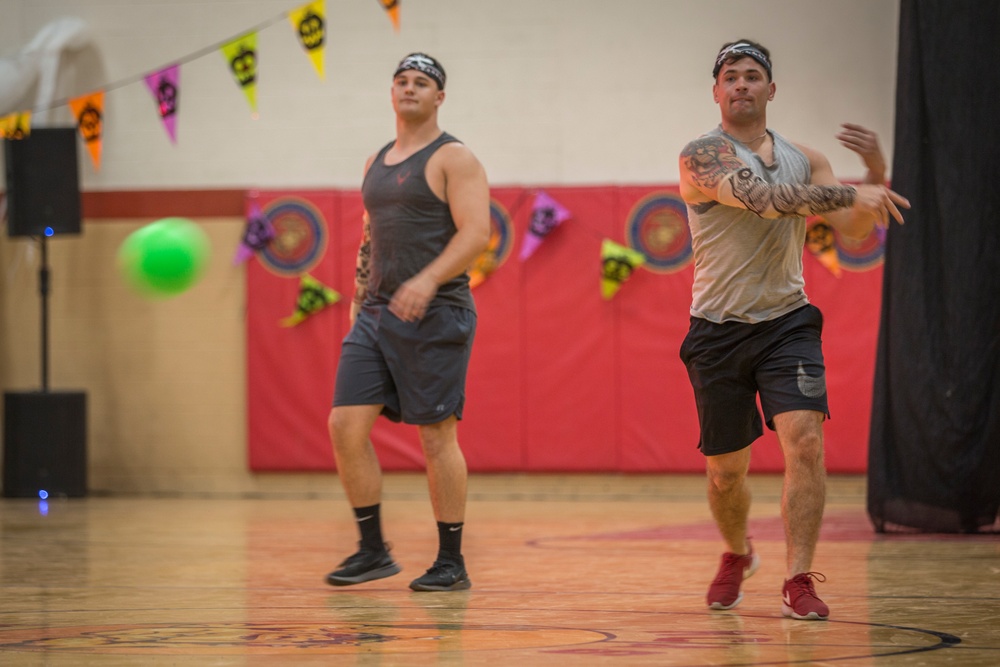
[[487, 262], [392, 7], [88, 111], [821, 242], [16, 125]]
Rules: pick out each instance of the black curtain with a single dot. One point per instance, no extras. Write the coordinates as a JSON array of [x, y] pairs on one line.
[[934, 449]]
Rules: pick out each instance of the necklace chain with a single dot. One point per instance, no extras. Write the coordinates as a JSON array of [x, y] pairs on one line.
[[748, 142]]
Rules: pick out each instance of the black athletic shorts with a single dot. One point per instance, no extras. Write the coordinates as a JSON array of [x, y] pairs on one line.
[[731, 363], [415, 370]]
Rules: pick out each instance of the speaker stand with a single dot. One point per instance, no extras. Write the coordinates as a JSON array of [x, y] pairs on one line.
[[43, 290], [45, 432]]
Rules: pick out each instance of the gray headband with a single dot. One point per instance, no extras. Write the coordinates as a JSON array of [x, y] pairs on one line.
[[425, 64], [738, 50]]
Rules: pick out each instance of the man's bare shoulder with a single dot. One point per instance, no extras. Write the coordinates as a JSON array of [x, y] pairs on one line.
[[819, 166], [704, 164], [810, 152], [707, 143], [456, 150], [456, 157], [369, 161]]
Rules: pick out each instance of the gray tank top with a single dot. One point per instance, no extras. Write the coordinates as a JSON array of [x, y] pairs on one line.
[[748, 268], [410, 226]]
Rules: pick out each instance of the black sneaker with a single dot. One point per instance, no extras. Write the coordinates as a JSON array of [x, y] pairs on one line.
[[444, 575], [363, 566]]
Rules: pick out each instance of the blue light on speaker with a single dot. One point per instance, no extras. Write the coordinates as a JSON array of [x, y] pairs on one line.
[[43, 494], [49, 231]]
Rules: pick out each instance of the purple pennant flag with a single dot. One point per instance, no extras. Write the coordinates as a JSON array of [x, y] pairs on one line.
[[546, 215], [165, 86], [257, 234]]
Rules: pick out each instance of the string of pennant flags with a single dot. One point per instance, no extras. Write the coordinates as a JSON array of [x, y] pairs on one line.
[[308, 21], [240, 53]]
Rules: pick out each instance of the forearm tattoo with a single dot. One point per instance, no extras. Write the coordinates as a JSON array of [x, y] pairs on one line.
[[787, 198], [709, 160], [363, 268]]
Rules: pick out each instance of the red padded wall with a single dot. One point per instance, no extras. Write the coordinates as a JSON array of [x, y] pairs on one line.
[[561, 379]]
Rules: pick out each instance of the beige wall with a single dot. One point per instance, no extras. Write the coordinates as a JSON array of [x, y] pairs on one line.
[[544, 91], [165, 380], [553, 92]]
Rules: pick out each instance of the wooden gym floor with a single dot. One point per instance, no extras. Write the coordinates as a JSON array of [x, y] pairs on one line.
[[566, 569]]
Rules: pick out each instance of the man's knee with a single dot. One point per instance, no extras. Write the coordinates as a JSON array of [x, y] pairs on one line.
[[440, 438], [336, 422], [338, 427], [805, 450], [725, 481], [348, 426], [727, 472], [801, 436]]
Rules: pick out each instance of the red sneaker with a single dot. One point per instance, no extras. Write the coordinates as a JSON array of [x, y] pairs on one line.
[[799, 601], [725, 593]]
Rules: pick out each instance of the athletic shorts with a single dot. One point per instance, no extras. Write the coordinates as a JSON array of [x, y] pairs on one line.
[[730, 364], [415, 370]]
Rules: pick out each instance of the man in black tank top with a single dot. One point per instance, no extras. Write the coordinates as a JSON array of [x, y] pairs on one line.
[[413, 320], [753, 333]]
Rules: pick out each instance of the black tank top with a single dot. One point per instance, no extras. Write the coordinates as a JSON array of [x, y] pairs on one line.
[[410, 226]]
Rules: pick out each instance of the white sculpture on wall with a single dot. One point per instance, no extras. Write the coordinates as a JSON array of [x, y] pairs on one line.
[[37, 64]]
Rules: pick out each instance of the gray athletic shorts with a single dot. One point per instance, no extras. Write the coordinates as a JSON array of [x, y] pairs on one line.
[[731, 363], [415, 370]]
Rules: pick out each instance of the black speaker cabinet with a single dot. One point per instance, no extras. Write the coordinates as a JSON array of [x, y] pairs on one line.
[[45, 444], [43, 183]]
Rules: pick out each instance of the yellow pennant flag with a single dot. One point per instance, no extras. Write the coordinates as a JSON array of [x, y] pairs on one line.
[[821, 242], [618, 262], [392, 8], [314, 296], [16, 125], [88, 110], [241, 54], [309, 22]]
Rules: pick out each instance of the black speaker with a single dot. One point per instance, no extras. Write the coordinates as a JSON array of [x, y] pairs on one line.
[[43, 183], [45, 444]]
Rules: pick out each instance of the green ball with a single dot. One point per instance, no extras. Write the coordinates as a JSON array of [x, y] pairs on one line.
[[165, 257]]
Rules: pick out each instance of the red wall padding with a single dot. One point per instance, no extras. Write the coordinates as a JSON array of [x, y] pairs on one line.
[[561, 379]]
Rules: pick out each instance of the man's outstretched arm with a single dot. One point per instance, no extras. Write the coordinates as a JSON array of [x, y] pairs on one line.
[[712, 171]]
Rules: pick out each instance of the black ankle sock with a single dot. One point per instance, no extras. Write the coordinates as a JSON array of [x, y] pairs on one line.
[[450, 540], [370, 527]]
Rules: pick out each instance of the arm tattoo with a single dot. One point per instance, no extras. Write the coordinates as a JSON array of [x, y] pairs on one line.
[[787, 198], [363, 269], [709, 160]]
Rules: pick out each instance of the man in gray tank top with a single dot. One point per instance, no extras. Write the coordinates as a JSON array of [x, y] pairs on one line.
[[753, 331], [413, 320]]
